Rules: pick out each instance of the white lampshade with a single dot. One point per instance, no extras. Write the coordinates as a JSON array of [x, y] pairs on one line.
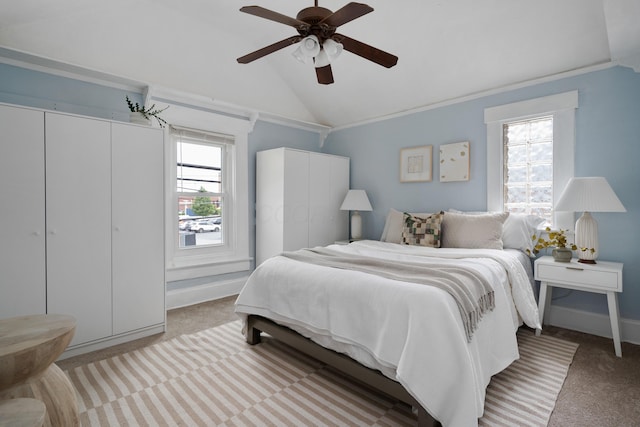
[[330, 51], [588, 194], [309, 47], [356, 200], [321, 59]]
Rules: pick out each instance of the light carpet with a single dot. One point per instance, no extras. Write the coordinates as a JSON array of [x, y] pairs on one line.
[[214, 378]]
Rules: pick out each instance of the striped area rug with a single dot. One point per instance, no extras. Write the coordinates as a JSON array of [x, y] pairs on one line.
[[213, 378]]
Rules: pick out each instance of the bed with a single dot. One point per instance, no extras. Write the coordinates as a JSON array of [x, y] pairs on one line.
[[411, 339]]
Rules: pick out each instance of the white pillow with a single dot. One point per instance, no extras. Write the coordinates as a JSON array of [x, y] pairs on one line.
[[481, 231], [392, 231], [517, 229]]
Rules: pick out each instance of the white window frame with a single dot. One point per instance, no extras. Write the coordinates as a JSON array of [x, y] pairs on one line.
[[562, 108], [233, 255], [226, 144]]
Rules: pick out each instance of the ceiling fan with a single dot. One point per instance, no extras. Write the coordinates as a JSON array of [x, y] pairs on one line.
[[316, 28]]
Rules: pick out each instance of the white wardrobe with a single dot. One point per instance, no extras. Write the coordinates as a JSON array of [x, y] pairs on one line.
[[298, 198], [83, 223]]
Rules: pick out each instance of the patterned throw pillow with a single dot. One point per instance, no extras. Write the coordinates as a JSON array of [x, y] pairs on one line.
[[422, 231]]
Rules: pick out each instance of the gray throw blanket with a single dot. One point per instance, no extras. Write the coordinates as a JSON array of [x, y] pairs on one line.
[[472, 293]]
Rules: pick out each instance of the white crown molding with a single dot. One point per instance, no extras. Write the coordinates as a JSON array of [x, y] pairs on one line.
[[63, 69], [631, 61], [299, 124], [482, 94]]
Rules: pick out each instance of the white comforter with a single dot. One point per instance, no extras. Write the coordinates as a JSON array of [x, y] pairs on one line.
[[413, 333]]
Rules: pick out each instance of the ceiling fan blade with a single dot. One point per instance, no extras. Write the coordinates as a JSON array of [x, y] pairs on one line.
[[346, 14], [367, 52], [274, 16], [324, 74], [268, 49]]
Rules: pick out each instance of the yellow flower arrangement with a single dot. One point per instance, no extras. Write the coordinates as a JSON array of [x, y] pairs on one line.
[[557, 239]]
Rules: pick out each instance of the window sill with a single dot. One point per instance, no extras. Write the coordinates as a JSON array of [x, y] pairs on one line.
[[205, 266]]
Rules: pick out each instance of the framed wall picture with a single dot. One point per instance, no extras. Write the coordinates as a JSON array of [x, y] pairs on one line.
[[415, 164], [454, 162]]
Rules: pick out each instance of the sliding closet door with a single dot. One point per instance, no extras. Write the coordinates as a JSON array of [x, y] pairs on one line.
[[328, 185], [22, 257], [138, 227], [78, 202], [295, 211], [282, 202]]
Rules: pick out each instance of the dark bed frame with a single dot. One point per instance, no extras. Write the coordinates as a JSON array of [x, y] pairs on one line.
[[344, 364]]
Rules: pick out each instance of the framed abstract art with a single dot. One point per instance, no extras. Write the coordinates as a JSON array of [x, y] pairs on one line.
[[454, 162], [415, 164]]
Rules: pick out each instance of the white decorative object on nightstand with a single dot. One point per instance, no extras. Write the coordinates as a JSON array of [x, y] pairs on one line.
[[603, 277]]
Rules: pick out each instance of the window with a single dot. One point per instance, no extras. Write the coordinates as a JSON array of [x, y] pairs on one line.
[[201, 186], [206, 164], [530, 155], [528, 167]]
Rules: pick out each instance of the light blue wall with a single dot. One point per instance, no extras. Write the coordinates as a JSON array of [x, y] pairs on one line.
[[607, 144], [36, 89]]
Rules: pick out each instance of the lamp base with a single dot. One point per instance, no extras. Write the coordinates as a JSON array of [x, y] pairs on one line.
[[356, 226], [587, 238]]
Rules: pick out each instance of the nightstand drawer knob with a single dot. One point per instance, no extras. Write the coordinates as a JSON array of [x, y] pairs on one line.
[[575, 268]]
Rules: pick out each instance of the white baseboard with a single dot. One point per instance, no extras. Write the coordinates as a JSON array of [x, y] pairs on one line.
[[592, 323], [111, 341], [194, 295]]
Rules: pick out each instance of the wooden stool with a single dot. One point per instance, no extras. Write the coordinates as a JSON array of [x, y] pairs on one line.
[[22, 412], [28, 347]]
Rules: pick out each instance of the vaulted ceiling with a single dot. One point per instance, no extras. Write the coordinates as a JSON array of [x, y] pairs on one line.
[[447, 49]]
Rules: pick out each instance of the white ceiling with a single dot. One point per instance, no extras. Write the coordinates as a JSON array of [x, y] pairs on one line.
[[446, 49]]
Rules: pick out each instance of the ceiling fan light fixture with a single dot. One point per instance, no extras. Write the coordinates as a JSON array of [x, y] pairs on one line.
[[330, 51], [321, 59], [309, 47], [333, 48]]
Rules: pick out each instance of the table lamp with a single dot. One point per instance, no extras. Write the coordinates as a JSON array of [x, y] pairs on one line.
[[588, 194], [356, 200]]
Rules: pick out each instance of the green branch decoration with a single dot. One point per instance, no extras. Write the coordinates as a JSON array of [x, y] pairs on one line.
[[147, 113]]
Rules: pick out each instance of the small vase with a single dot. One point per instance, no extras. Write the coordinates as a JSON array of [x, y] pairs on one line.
[[562, 254], [137, 117]]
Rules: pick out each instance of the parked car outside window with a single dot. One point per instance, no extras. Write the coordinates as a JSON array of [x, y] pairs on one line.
[[210, 224], [186, 225]]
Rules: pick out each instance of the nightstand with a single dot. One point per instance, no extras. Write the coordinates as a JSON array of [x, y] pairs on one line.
[[603, 278]]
